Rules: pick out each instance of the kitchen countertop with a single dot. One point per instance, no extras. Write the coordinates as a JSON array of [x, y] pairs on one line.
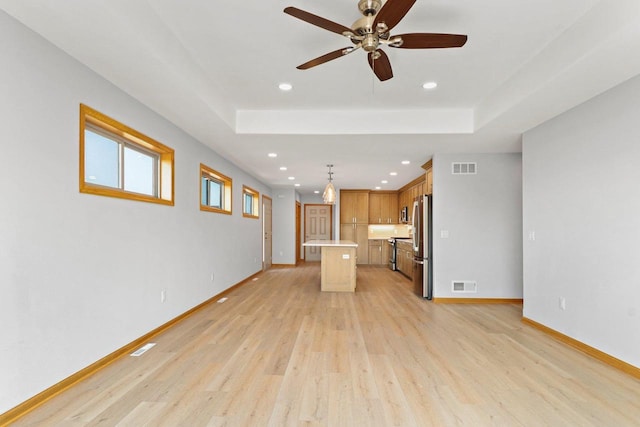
[[334, 243]]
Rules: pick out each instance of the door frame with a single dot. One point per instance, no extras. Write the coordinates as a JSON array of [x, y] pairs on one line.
[[265, 265]]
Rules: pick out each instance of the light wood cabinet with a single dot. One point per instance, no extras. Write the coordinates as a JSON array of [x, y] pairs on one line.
[[404, 259], [409, 192], [383, 208], [354, 220], [358, 233], [378, 252], [338, 269], [429, 184], [354, 207]]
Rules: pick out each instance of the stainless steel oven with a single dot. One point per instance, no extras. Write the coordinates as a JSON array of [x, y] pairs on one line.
[[392, 254]]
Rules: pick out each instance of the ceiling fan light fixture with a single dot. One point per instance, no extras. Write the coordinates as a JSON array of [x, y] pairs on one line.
[[329, 196]]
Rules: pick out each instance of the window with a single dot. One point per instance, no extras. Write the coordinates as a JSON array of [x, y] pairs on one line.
[[215, 191], [250, 202], [117, 161]]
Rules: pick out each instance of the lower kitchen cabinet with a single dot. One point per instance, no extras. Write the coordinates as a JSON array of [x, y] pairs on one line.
[[404, 259], [378, 252]]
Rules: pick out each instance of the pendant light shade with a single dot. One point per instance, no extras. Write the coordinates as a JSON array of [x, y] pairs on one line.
[[329, 196]]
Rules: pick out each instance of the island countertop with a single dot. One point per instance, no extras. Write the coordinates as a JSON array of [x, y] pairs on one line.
[[332, 243]]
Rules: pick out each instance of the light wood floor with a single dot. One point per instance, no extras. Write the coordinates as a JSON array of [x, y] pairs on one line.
[[281, 353]]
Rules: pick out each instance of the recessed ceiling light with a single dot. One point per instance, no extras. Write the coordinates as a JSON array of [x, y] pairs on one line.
[[283, 168], [272, 155], [317, 192], [405, 162], [296, 185], [384, 181], [285, 87], [378, 188], [430, 85], [393, 173], [291, 178]]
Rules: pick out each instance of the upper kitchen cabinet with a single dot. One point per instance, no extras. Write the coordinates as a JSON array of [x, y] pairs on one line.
[[409, 192], [428, 185], [354, 207], [383, 208]]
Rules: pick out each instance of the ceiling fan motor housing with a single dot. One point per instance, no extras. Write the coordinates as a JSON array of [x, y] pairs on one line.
[[369, 7]]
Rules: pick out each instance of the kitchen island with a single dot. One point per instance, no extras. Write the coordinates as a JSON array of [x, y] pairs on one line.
[[337, 264]]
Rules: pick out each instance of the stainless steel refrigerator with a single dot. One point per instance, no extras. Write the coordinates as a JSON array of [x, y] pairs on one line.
[[422, 226]]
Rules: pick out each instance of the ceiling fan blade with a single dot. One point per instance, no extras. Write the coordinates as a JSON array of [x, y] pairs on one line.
[[326, 58], [429, 40], [392, 12], [381, 66], [318, 21]]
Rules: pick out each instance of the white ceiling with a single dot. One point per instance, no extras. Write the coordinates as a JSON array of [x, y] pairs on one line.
[[213, 69]]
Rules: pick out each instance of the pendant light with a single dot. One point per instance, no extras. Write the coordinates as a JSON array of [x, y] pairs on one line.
[[329, 196]]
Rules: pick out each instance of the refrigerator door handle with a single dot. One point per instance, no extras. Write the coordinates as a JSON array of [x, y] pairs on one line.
[[419, 262], [415, 228]]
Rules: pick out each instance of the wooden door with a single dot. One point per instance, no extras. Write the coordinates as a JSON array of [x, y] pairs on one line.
[[267, 245], [317, 226]]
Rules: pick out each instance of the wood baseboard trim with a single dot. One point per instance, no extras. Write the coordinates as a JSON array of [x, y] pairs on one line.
[[477, 300], [283, 265], [42, 397], [587, 349]]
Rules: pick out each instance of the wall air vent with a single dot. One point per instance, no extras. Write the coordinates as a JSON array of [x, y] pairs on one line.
[[142, 350], [466, 286], [464, 168]]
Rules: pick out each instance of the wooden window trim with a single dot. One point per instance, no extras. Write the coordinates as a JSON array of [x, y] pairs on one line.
[[255, 195], [206, 171], [137, 140]]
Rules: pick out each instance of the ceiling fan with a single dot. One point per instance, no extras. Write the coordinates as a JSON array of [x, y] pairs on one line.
[[373, 30]]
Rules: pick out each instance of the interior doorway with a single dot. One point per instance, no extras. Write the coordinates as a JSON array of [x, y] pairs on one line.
[[267, 243], [318, 220]]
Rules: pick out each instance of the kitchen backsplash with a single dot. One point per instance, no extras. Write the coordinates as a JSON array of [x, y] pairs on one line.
[[385, 231]]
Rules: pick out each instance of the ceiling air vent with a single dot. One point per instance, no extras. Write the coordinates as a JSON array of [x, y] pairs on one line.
[[466, 168], [467, 286]]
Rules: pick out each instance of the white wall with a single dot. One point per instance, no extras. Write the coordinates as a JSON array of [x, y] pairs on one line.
[[582, 200], [284, 226], [81, 275], [483, 215]]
